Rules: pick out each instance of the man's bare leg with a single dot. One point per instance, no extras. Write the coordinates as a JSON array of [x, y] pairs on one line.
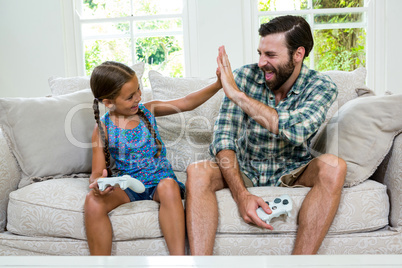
[[203, 180], [326, 175]]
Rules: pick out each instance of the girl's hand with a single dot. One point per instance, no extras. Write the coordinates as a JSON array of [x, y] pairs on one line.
[[95, 187], [218, 76]]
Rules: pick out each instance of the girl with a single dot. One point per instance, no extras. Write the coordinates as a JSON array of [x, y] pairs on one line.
[[129, 134]]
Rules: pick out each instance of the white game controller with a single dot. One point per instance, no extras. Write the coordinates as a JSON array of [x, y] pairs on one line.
[[123, 182], [280, 206]]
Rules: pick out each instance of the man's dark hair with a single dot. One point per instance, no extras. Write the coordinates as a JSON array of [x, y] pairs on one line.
[[297, 32]]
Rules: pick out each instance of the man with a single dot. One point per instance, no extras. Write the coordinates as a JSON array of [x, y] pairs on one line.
[[266, 122]]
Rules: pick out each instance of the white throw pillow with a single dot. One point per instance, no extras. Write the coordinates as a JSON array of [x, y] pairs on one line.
[[362, 132], [65, 85], [350, 86], [347, 83], [50, 135], [186, 135]]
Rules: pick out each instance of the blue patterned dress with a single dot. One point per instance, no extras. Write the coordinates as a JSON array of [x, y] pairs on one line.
[[133, 151]]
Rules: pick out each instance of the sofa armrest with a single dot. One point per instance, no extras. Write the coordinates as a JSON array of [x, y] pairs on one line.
[[390, 173], [9, 178]]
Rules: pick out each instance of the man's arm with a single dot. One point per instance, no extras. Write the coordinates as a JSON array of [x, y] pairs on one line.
[[266, 116], [294, 126], [246, 202]]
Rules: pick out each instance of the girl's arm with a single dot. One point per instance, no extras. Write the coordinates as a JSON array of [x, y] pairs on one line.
[[98, 161], [187, 103]]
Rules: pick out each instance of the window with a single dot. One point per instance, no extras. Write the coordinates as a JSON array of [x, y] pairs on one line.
[[132, 31], [339, 28]]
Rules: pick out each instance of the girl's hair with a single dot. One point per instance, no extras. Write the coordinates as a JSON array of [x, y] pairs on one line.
[[106, 82]]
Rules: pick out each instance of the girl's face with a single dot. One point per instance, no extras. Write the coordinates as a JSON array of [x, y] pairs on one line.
[[126, 103]]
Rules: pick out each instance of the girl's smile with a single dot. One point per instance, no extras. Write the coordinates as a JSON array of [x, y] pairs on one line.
[[126, 103]]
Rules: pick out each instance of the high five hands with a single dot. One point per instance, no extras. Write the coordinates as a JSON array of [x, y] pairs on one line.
[[225, 74]]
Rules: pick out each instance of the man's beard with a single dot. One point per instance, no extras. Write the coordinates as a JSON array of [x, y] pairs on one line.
[[282, 74]]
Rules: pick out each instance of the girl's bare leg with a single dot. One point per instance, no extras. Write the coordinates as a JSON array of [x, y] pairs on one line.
[[171, 215], [97, 222]]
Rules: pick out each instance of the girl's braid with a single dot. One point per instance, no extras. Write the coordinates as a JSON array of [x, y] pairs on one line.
[[152, 131], [103, 137]]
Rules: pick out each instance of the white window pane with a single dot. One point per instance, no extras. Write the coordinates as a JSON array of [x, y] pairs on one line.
[[337, 3], [105, 8], [339, 49], [111, 28], [282, 5], [159, 25], [339, 18], [153, 7], [265, 19], [163, 54], [98, 51]]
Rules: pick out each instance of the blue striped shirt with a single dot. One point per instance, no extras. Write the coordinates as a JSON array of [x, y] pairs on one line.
[[263, 156]]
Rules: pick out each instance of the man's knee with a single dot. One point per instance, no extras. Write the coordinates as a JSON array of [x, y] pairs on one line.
[[202, 176], [332, 170]]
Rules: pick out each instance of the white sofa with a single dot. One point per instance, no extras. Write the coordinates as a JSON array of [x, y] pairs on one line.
[[45, 140]]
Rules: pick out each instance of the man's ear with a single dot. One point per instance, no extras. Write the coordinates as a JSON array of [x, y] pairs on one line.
[[298, 56]]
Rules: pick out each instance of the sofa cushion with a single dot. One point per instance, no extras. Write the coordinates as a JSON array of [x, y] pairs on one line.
[[364, 207], [362, 132], [55, 208], [50, 135], [186, 135], [9, 178], [65, 85]]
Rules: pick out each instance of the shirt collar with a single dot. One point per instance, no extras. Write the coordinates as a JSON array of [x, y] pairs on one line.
[[260, 77], [298, 85]]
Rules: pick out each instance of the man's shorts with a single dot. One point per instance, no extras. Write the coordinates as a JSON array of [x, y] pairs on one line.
[[287, 180]]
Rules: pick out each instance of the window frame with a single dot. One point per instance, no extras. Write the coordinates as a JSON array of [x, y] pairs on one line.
[[375, 40], [76, 25], [310, 12]]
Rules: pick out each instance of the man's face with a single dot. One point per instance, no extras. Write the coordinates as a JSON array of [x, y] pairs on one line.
[[274, 60]]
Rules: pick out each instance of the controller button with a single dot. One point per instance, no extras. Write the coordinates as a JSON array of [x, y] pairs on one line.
[[277, 200], [274, 207], [285, 201]]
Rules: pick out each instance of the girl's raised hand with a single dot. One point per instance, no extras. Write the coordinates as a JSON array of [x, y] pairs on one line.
[[218, 75]]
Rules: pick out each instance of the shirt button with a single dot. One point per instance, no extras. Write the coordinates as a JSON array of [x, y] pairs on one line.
[[271, 98]]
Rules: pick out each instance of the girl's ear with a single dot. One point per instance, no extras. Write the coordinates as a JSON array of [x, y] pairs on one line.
[[108, 103]]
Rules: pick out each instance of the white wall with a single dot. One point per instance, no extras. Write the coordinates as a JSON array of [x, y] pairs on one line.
[[217, 23], [393, 37], [33, 47]]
